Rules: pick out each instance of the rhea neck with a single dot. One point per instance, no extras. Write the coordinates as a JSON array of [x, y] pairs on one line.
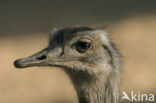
[[95, 88]]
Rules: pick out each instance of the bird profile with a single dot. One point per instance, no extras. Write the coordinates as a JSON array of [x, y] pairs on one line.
[[88, 57]]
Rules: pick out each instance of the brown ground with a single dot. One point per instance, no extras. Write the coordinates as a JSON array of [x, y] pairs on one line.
[[135, 38]]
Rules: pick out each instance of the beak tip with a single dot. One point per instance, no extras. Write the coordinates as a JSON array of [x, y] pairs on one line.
[[17, 63]]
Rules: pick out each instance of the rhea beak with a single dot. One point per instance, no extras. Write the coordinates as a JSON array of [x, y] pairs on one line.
[[37, 59]]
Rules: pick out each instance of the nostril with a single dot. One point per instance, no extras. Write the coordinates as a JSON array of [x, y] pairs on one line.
[[42, 57]]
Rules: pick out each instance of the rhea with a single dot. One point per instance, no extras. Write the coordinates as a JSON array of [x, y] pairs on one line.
[[89, 58]]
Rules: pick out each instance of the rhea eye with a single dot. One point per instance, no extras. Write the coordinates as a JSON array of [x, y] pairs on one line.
[[83, 45]]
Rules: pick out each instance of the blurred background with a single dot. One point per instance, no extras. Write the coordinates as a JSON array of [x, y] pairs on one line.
[[24, 30]]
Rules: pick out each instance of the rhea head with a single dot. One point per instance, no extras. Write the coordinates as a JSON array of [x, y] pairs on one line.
[[78, 48], [88, 57]]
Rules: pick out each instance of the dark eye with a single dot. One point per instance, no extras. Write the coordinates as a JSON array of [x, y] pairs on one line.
[[83, 45]]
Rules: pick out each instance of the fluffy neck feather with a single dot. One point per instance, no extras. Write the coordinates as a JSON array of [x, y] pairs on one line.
[[95, 88]]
